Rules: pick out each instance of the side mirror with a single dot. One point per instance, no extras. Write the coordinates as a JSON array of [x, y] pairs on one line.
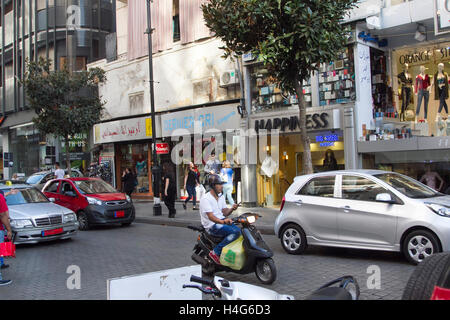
[[385, 197], [51, 199]]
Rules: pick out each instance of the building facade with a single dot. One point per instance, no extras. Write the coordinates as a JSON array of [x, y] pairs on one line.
[[69, 32]]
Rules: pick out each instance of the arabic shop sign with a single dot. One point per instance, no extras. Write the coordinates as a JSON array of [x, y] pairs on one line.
[[124, 130]]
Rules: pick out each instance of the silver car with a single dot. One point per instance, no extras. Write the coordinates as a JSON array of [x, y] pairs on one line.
[[39, 179], [364, 209], [34, 218]]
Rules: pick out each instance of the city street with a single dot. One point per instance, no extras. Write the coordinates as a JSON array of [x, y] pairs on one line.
[[39, 271]]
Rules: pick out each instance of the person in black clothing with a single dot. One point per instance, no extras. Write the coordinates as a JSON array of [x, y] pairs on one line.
[[129, 181], [169, 190], [190, 182], [329, 163]]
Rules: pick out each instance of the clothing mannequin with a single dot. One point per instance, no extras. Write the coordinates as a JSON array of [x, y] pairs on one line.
[[406, 81], [422, 91], [430, 177], [440, 83]]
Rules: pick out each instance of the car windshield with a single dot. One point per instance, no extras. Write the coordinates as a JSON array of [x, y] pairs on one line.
[[24, 196], [408, 186], [94, 186], [35, 178]]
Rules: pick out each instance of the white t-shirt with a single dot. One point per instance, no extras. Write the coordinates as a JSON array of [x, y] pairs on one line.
[[59, 173], [209, 204]]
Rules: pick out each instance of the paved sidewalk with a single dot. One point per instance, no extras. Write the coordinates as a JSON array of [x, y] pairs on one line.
[[183, 218]]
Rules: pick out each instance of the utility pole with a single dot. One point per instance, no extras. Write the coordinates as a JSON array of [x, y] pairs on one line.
[[156, 170]]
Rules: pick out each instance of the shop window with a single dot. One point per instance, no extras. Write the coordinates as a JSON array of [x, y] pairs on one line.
[[337, 80], [266, 96], [135, 158], [360, 188], [176, 21], [381, 91], [319, 187]]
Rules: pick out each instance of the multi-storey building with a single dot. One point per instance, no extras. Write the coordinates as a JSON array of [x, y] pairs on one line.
[[72, 32]]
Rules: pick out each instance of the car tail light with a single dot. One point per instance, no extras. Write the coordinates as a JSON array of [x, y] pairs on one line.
[[282, 203]]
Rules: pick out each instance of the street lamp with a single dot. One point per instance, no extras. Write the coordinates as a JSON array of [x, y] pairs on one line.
[[156, 171]]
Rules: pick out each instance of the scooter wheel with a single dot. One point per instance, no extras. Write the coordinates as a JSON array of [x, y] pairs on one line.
[[266, 271]]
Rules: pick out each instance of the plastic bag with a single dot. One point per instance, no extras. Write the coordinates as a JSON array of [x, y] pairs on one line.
[[233, 255]]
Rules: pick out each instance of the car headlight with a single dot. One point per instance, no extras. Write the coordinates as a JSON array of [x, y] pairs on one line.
[[128, 198], [69, 217], [439, 209], [21, 223], [94, 201]]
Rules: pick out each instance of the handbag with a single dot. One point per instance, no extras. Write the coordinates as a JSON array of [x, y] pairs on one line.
[[7, 250]]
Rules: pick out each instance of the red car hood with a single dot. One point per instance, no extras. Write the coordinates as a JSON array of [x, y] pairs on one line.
[[108, 196]]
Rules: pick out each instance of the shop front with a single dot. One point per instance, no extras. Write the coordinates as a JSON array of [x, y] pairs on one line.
[[127, 144], [281, 161], [192, 135]]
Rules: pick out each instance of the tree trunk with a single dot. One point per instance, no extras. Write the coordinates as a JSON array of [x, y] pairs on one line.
[[307, 160], [67, 155]]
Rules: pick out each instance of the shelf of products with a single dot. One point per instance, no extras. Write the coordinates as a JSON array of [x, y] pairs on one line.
[[337, 80], [266, 96]]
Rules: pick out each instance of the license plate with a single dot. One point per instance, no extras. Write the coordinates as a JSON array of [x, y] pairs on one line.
[[119, 214], [53, 232]]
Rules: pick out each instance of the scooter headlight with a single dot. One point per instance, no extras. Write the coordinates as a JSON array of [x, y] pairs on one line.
[[251, 219]]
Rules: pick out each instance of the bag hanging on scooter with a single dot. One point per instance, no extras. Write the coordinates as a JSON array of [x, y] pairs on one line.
[[233, 255]]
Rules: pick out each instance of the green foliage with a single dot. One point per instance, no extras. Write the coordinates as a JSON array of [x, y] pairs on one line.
[[65, 103], [292, 36]]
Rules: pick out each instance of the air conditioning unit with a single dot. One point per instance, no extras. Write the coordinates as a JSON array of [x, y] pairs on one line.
[[229, 78]]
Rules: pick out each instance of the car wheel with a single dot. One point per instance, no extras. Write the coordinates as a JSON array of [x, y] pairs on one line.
[[425, 277], [83, 223], [127, 224], [419, 245], [293, 239]]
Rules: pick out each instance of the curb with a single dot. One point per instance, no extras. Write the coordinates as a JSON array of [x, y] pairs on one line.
[[264, 229]]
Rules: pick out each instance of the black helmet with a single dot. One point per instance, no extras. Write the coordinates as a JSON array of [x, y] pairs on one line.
[[214, 179]]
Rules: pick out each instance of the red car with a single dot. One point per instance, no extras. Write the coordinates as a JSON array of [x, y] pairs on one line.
[[94, 201]]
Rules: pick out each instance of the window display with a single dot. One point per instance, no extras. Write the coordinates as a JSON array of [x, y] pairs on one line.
[[266, 96], [337, 80], [135, 158]]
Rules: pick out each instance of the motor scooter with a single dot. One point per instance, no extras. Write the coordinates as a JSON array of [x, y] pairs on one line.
[[221, 289], [258, 256]]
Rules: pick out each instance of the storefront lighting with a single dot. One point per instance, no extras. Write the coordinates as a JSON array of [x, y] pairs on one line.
[[267, 148]]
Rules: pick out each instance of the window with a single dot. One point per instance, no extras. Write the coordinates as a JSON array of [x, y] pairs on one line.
[[360, 188], [48, 178], [409, 187], [319, 187], [53, 187], [29, 195], [176, 20], [66, 187]]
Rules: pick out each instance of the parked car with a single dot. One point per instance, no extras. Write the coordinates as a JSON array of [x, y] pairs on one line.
[[39, 179], [34, 218], [93, 200], [364, 209]]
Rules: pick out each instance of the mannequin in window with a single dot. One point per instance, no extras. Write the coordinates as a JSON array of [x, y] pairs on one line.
[[406, 81], [431, 177], [422, 91], [440, 83]]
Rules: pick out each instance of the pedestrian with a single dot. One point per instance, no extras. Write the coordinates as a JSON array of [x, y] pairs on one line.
[[129, 181], [191, 181], [212, 165], [59, 173], [5, 230], [169, 190], [227, 175], [329, 163]]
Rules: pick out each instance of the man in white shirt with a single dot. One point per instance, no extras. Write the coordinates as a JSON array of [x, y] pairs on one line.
[[213, 213], [59, 173]]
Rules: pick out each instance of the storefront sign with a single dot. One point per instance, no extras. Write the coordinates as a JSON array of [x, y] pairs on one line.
[[162, 148], [441, 16], [314, 121], [76, 156], [327, 140], [420, 57], [220, 117], [124, 130]]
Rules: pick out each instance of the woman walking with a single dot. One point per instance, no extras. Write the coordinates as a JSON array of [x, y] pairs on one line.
[[169, 190], [227, 175], [129, 181], [190, 182]]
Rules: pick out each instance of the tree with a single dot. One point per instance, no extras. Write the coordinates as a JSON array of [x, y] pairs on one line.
[[292, 37], [66, 103]]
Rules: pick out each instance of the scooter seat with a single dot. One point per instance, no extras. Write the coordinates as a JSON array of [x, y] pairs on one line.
[[215, 239], [330, 293]]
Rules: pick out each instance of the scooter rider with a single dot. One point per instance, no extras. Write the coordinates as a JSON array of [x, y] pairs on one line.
[[213, 213]]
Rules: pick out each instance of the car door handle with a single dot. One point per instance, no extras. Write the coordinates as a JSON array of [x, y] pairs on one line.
[[298, 202], [346, 208]]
